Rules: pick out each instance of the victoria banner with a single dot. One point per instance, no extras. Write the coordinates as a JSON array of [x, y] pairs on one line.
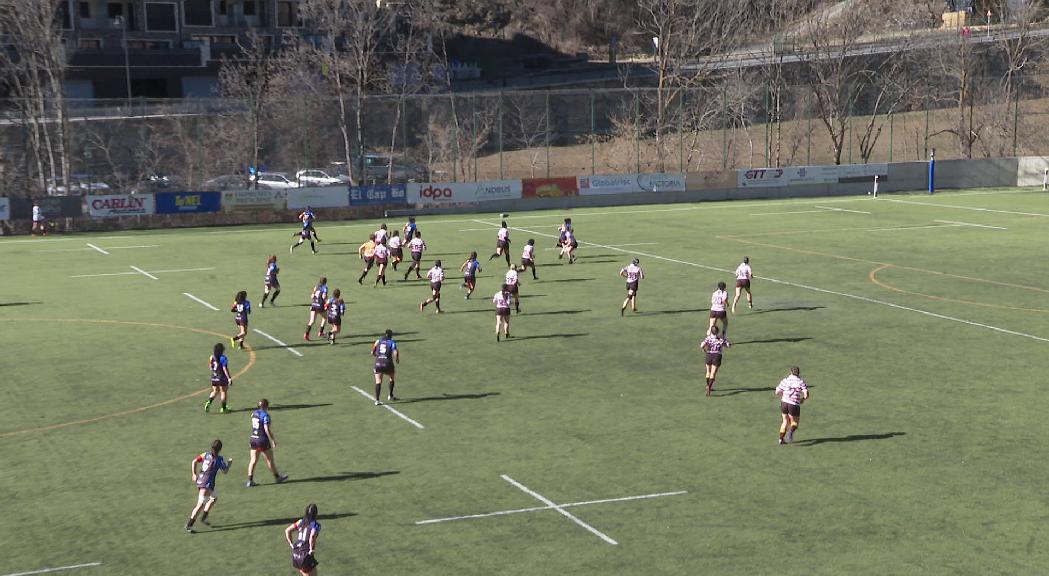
[[188, 202], [377, 194], [120, 205], [467, 192]]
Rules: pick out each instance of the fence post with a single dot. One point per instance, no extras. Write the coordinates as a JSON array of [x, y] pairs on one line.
[[768, 152], [725, 127], [593, 136], [546, 132], [473, 133], [681, 132], [637, 130], [891, 116], [926, 125], [850, 133], [808, 146], [455, 134], [1016, 119], [500, 112]]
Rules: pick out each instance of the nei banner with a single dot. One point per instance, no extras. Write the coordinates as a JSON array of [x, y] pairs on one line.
[[120, 205], [188, 202]]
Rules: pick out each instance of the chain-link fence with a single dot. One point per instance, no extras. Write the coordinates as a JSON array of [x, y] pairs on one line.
[[509, 135]]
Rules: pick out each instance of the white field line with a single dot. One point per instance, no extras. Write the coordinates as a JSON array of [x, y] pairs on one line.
[[784, 213], [139, 272], [973, 208], [476, 230], [807, 287], [391, 409], [96, 248], [144, 273], [198, 300], [105, 274], [130, 247], [634, 244], [538, 508], [93, 247], [286, 347], [559, 510], [898, 228], [58, 569], [970, 224], [841, 210], [182, 270]]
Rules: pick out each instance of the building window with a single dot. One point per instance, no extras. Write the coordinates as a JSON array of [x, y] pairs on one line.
[[89, 44], [249, 7], [197, 13], [149, 44], [223, 9], [160, 17], [63, 15], [114, 10], [288, 14], [85, 10]]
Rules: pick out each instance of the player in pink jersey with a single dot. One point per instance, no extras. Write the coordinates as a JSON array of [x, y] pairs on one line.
[[502, 244], [743, 277], [718, 302], [513, 285], [712, 345], [382, 255], [396, 249], [502, 311], [633, 274], [436, 276], [792, 391], [528, 258]]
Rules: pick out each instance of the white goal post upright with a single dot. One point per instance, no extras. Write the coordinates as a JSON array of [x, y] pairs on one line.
[[875, 192], [1045, 180]]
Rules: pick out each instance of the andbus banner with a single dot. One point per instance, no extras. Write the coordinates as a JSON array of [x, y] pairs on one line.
[[631, 183], [455, 193], [259, 199], [120, 205]]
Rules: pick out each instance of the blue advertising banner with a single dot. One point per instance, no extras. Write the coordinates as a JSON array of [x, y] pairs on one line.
[[377, 194], [182, 202]]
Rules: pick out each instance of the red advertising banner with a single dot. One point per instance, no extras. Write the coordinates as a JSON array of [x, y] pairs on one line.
[[549, 187]]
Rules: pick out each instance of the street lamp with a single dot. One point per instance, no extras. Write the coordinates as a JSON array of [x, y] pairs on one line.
[[118, 22]]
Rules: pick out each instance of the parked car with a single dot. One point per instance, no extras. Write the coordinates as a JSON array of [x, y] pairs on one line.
[[275, 181], [157, 183], [316, 178], [227, 182], [377, 169], [79, 184]]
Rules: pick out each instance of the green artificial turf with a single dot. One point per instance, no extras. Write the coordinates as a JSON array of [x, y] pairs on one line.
[[921, 334]]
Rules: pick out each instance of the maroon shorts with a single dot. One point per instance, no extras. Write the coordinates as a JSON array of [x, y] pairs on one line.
[[273, 284], [417, 256], [301, 560], [385, 369], [793, 410], [722, 314], [743, 283], [526, 262], [260, 443], [502, 312], [713, 359], [243, 323], [436, 287], [369, 261], [631, 287], [501, 244], [317, 308], [513, 289], [380, 261], [397, 252], [220, 384], [335, 321]]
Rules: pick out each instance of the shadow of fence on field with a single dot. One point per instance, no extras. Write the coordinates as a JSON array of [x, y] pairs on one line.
[[344, 477], [376, 335], [276, 522], [734, 391], [279, 407], [398, 340], [545, 336], [793, 309], [682, 311], [541, 281], [475, 396], [851, 438], [772, 341], [19, 303], [558, 312]]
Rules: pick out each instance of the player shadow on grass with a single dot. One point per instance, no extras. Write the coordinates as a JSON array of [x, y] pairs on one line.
[[399, 341], [18, 303], [475, 396], [772, 341], [544, 336], [565, 280], [557, 312], [293, 345], [344, 477], [683, 311], [279, 407], [793, 309], [276, 522], [850, 438], [734, 391]]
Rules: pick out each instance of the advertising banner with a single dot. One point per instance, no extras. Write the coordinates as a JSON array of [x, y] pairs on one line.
[[455, 193], [260, 199], [120, 205], [787, 176], [630, 183], [377, 194], [188, 202], [860, 172], [5, 208], [320, 197], [549, 187]]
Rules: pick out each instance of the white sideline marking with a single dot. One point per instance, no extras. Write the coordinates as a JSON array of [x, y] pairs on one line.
[[105, 274], [182, 270], [807, 287], [896, 228], [130, 247], [90, 245], [634, 244], [391, 409], [144, 273], [970, 224], [192, 297], [841, 210], [559, 509], [475, 230], [59, 569], [974, 208], [795, 212], [286, 347], [538, 508], [139, 272]]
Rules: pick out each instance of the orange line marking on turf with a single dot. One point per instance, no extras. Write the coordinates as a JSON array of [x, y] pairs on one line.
[[885, 264], [873, 277], [251, 362]]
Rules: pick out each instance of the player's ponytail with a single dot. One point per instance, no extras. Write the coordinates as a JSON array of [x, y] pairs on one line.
[[310, 515], [216, 447], [218, 350]]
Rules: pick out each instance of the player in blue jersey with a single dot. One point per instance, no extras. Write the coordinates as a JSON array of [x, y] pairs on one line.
[[271, 283], [210, 463], [408, 232], [304, 545], [334, 309], [241, 309], [470, 268], [317, 299], [386, 357], [262, 442], [220, 377], [308, 232]]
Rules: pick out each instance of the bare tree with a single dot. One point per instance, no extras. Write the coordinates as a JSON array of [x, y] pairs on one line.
[[529, 123], [247, 81], [34, 72]]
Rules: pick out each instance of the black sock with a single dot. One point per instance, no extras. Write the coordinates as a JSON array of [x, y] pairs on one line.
[[391, 388], [313, 246], [273, 299], [378, 390], [204, 517], [492, 257], [189, 523]]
